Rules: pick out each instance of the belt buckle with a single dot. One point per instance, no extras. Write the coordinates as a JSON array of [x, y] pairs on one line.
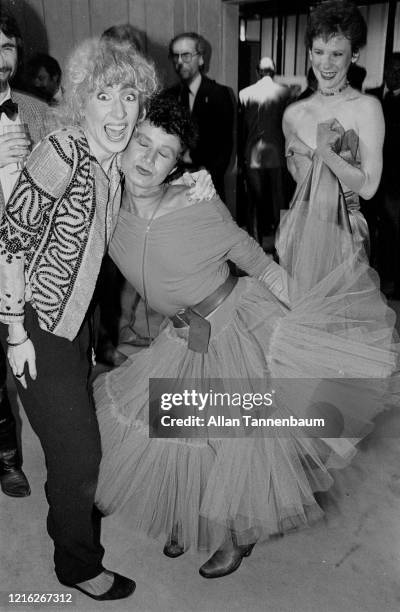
[[181, 312]]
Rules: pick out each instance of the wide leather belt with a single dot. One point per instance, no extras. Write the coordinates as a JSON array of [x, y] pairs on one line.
[[194, 316]]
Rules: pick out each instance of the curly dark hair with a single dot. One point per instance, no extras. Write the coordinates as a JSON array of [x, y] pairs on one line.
[[337, 17], [165, 112]]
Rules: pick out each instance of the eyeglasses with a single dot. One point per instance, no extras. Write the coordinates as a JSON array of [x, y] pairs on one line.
[[186, 57]]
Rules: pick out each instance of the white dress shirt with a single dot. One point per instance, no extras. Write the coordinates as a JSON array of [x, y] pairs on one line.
[[8, 174]]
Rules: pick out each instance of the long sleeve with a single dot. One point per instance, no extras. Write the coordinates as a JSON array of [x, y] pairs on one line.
[[26, 218], [250, 257]]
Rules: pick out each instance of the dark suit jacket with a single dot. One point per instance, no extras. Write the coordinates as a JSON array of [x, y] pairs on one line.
[[261, 110], [390, 175], [213, 112], [391, 110]]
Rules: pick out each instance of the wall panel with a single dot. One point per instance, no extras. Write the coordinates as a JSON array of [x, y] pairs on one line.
[[81, 20], [179, 16], [58, 21], [160, 30], [268, 38], [210, 25], [290, 46], [302, 54], [137, 17], [105, 14], [35, 34], [192, 15], [230, 46]]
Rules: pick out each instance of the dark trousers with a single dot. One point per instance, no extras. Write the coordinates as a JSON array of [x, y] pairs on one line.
[[8, 437], [389, 241], [62, 414], [265, 200], [108, 299]]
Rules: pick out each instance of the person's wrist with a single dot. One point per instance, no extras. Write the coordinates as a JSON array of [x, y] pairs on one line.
[[16, 332], [13, 342]]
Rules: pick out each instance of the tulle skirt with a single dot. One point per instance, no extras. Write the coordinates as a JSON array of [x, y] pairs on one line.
[[256, 485]]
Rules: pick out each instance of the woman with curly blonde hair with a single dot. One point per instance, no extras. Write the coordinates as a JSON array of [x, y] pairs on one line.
[[54, 234]]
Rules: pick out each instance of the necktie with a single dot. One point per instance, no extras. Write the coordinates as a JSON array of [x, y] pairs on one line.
[[185, 97], [10, 108]]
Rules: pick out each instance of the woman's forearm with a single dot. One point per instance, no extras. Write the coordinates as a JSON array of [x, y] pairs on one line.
[[12, 290], [351, 176], [277, 279]]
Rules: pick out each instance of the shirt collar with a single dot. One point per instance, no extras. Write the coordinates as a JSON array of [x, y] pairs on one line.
[[195, 84], [6, 95]]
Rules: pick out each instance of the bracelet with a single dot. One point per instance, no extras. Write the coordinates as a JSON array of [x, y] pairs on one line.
[[19, 342]]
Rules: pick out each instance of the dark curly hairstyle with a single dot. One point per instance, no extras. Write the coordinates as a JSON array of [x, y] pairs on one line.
[[337, 17], [165, 112]]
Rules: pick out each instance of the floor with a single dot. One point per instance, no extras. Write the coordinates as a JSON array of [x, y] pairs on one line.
[[349, 562]]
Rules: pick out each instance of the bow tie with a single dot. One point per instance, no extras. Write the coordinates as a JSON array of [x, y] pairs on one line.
[[10, 108]]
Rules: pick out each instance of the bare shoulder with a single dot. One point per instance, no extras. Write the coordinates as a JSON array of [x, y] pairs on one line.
[[369, 112], [293, 115], [369, 104], [295, 110]]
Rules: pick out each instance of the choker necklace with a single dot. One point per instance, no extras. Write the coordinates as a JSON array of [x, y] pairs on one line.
[[335, 91]]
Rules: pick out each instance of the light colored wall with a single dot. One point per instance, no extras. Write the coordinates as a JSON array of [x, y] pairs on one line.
[[56, 26]]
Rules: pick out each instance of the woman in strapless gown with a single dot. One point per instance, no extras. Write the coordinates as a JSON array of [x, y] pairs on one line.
[[225, 493], [334, 143]]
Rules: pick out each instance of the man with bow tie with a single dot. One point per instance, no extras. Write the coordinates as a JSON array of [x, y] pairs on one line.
[[16, 108], [211, 106]]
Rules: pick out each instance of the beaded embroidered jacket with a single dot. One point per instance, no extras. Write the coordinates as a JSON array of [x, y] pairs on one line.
[[56, 228]]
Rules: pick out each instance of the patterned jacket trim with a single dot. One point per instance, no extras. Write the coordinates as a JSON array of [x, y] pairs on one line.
[[58, 217]]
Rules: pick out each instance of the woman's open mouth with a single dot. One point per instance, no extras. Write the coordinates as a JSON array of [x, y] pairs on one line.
[[115, 132]]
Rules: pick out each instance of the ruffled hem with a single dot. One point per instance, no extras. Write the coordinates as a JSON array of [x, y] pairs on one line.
[[199, 489], [257, 486]]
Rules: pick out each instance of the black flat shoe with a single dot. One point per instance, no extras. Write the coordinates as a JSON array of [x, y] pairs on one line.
[[225, 562], [122, 587], [173, 550]]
